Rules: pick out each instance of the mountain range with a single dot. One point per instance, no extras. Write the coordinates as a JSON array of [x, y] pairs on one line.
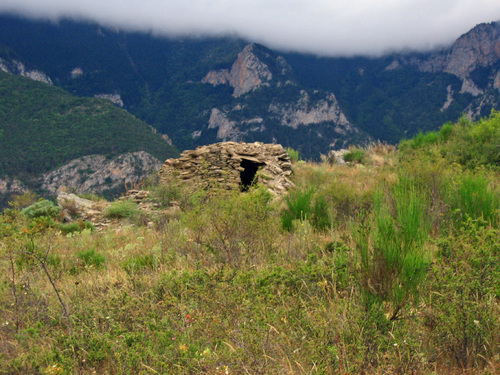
[[204, 90]]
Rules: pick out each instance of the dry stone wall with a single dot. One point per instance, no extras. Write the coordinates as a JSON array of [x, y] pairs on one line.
[[232, 165]]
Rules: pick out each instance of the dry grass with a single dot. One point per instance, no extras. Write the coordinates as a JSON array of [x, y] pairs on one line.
[[221, 287]]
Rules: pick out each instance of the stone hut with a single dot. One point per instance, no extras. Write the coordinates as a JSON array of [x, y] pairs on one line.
[[232, 165]]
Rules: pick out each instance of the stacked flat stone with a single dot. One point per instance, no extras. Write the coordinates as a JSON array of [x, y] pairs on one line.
[[219, 165]]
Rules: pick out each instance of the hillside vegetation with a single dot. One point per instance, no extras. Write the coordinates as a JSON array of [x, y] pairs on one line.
[[42, 127], [391, 266]]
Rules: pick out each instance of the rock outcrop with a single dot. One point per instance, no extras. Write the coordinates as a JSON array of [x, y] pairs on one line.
[[96, 173], [252, 69], [18, 68], [477, 49], [305, 112], [480, 47], [11, 186], [232, 165], [227, 129], [113, 98], [276, 100]]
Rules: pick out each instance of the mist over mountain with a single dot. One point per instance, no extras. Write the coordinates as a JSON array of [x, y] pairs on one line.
[[326, 28]]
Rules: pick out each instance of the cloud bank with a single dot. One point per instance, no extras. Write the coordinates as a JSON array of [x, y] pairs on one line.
[[323, 27]]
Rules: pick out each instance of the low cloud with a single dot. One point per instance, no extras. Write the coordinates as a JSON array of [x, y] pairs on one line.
[[323, 27]]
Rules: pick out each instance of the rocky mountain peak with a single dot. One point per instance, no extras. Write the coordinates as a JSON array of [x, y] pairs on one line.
[[248, 72], [480, 47], [255, 66]]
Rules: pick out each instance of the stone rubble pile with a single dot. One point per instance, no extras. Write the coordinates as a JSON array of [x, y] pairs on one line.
[[232, 165], [75, 208]]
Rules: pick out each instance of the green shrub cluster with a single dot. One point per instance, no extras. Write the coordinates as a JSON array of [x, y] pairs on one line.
[[391, 246], [356, 155], [92, 258], [76, 226], [462, 313], [122, 209], [305, 205], [471, 144], [42, 208], [293, 154]]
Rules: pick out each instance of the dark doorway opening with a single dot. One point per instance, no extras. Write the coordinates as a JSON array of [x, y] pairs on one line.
[[247, 175]]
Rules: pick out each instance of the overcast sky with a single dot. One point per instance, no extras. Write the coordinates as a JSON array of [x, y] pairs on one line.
[[324, 27]]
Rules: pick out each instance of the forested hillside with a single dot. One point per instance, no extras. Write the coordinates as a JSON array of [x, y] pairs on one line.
[[42, 127]]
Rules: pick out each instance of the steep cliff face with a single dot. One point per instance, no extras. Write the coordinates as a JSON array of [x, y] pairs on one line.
[[474, 58], [88, 174], [227, 129], [480, 47], [267, 100], [306, 112], [252, 69]]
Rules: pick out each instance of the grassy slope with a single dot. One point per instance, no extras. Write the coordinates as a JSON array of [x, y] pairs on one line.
[[220, 288], [42, 127]]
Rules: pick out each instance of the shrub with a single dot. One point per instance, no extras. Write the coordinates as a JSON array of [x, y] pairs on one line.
[[234, 228], [466, 143], [293, 154], [472, 197], [302, 206], [347, 202], [70, 227], [391, 248], [42, 208], [91, 258], [299, 207], [121, 209], [70, 207], [76, 226], [138, 263], [23, 200], [356, 155], [165, 194]]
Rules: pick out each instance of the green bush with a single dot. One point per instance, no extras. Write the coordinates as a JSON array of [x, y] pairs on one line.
[[471, 196], [70, 227], [165, 194], [23, 200], [91, 258], [471, 144], [138, 263], [393, 257], [293, 154], [303, 205], [122, 209], [234, 228], [76, 226], [356, 155], [42, 208], [299, 207]]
